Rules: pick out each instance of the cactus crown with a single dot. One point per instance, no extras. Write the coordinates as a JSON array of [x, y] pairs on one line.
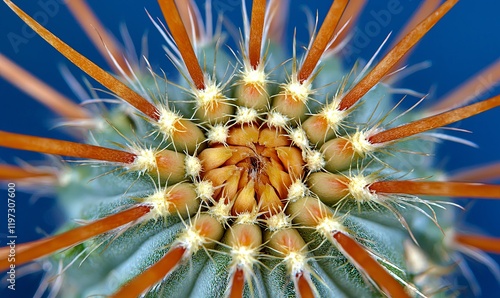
[[253, 175]]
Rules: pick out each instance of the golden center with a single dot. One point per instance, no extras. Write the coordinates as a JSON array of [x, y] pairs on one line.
[[253, 170]]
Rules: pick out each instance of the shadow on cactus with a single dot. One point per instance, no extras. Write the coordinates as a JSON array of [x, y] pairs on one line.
[[260, 173]]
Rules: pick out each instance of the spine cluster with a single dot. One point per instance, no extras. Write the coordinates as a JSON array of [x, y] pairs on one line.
[[248, 177]]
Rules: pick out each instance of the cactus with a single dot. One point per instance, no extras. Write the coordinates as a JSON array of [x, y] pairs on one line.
[[261, 172]]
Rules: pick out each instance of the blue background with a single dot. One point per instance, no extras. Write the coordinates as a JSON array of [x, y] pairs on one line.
[[464, 42]]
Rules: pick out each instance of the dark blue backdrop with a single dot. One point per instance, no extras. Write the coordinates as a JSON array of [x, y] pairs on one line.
[[464, 42]]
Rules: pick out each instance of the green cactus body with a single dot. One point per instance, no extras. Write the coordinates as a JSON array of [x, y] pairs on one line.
[[115, 261], [259, 181]]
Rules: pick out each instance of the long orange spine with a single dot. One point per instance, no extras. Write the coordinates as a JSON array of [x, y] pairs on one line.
[[33, 250]]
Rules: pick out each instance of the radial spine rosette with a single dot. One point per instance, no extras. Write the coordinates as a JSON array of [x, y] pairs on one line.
[[257, 172]]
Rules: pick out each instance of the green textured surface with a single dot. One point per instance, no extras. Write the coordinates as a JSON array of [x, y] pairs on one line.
[[112, 261]]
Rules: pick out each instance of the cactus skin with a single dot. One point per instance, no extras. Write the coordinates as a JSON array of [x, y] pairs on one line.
[[97, 200]]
